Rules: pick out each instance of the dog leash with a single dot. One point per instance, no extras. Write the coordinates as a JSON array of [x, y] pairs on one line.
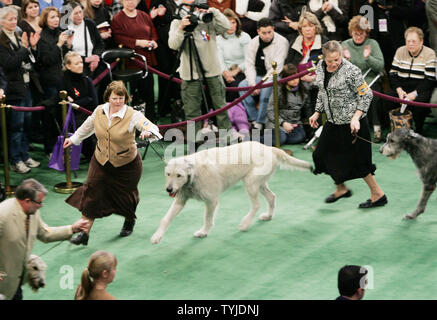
[[51, 248], [358, 137]]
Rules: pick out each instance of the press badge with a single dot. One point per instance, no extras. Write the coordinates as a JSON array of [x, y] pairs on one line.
[[382, 25], [205, 35]]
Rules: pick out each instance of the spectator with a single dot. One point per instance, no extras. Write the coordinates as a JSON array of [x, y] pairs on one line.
[[96, 11], [293, 104], [415, 86], [345, 98], [162, 14], [232, 46], [134, 29], [15, 59], [115, 169], [334, 15], [3, 83], [81, 91], [352, 281], [262, 50], [191, 87], [20, 225], [366, 54], [222, 4], [250, 12], [30, 17], [97, 275], [86, 40], [285, 15]]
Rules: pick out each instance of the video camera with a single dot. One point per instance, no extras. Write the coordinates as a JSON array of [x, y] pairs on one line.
[[195, 16]]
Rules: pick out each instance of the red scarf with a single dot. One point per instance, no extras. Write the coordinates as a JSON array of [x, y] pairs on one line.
[[305, 48]]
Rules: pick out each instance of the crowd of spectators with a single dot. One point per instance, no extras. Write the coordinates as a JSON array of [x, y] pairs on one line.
[[382, 38]]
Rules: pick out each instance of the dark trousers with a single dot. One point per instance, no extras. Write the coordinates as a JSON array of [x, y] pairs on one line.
[[19, 293]]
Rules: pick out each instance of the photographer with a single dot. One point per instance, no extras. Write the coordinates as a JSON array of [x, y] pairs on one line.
[[204, 35]]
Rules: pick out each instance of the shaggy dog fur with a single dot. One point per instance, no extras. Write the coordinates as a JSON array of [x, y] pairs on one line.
[[36, 272], [207, 174], [423, 151]]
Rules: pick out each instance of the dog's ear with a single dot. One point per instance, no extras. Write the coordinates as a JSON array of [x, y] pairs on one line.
[[189, 164]]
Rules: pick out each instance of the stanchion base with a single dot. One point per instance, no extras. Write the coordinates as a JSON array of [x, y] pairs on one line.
[[10, 191], [63, 188]]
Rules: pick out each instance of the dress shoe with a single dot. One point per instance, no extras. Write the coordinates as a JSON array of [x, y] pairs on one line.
[[378, 203], [81, 238], [332, 198], [128, 228]]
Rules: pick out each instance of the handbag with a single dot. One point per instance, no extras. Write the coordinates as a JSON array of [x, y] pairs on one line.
[[57, 159]]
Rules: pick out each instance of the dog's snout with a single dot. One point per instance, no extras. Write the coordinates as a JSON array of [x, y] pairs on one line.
[[169, 189], [41, 283]]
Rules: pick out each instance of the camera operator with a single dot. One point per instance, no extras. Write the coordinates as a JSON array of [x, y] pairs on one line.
[[204, 34]]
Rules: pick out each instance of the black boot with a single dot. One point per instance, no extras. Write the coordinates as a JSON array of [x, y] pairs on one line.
[[128, 228], [81, 238]]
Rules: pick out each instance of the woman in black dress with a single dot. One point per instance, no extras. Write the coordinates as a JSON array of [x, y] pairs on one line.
[[345, 98]]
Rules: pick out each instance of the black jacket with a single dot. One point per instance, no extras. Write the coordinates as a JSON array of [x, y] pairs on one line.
[[295, 52], [290, 8], [50, 57], [11, 59], [96, 39], [3, 81], [162, 24], [81, 89]]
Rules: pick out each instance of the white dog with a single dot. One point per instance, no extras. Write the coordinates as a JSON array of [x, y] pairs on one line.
[[36, 272], [206, 174]]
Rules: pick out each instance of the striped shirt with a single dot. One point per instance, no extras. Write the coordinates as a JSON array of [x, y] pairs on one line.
[[420, 67]]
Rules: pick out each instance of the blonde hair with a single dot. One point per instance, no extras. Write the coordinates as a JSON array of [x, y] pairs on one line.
[[416, 30], [99, 261], [68, 56], [118, 88], [311, 18], [359, 23]]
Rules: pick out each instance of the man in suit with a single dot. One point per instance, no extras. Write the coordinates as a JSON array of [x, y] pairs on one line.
[[20, 225]]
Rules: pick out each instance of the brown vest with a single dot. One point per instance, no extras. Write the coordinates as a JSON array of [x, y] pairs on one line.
[[114, 144]]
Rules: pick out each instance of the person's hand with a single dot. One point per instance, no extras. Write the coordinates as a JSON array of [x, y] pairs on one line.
[[411, 96], [34, 38], [327, 6], [346, 53], [67, 143], [145, 134], [228, 76], [93, 65], [107, 34], [185, 22], [153, 13], [287, 126], [161, 10], [401, 93], [367, 51], [313, 120], [256, 92], [291, 24], [153, 44], [355, 125], [308, 78], [24, 40], [2, 93], [70, 99], [146, 44], [81, 225]]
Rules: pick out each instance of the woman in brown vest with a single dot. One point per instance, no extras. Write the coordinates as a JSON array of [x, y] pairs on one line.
[[115, 168]]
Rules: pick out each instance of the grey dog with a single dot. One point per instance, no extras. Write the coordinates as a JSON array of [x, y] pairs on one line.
[[423, 152]]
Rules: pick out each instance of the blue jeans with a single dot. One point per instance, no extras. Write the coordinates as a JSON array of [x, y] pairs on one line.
[[20, 124], [297, 135], [249, 103]]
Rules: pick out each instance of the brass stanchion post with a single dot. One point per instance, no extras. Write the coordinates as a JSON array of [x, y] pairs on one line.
[[69, 186], [9, 190], [275, 104]]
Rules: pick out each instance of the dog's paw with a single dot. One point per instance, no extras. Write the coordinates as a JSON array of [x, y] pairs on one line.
[[265, 216], [200, 234], [156, 238], [410, 217]]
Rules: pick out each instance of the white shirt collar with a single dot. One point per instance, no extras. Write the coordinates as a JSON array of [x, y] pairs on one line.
[[119, 114]]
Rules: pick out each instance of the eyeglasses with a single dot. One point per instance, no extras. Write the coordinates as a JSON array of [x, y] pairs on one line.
[[37, 202]]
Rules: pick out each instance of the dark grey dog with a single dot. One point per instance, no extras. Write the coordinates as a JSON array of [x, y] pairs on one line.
[[423, 151]]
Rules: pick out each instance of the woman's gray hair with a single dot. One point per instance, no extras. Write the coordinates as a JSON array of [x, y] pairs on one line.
[[332, 46], [29, 189], [7, 10]]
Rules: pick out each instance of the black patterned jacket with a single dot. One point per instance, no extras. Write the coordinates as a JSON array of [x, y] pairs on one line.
[[345, 93]]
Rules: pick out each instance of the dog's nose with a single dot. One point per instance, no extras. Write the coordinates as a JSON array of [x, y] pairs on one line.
[[169, 189], [41, 283]]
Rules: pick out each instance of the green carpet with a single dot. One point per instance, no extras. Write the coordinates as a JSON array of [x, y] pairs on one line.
[[295, 256]]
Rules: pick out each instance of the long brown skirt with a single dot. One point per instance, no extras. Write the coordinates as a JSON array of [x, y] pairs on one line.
[[109, 190]]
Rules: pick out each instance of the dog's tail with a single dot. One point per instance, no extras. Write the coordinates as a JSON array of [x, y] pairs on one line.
[[289, 162]]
